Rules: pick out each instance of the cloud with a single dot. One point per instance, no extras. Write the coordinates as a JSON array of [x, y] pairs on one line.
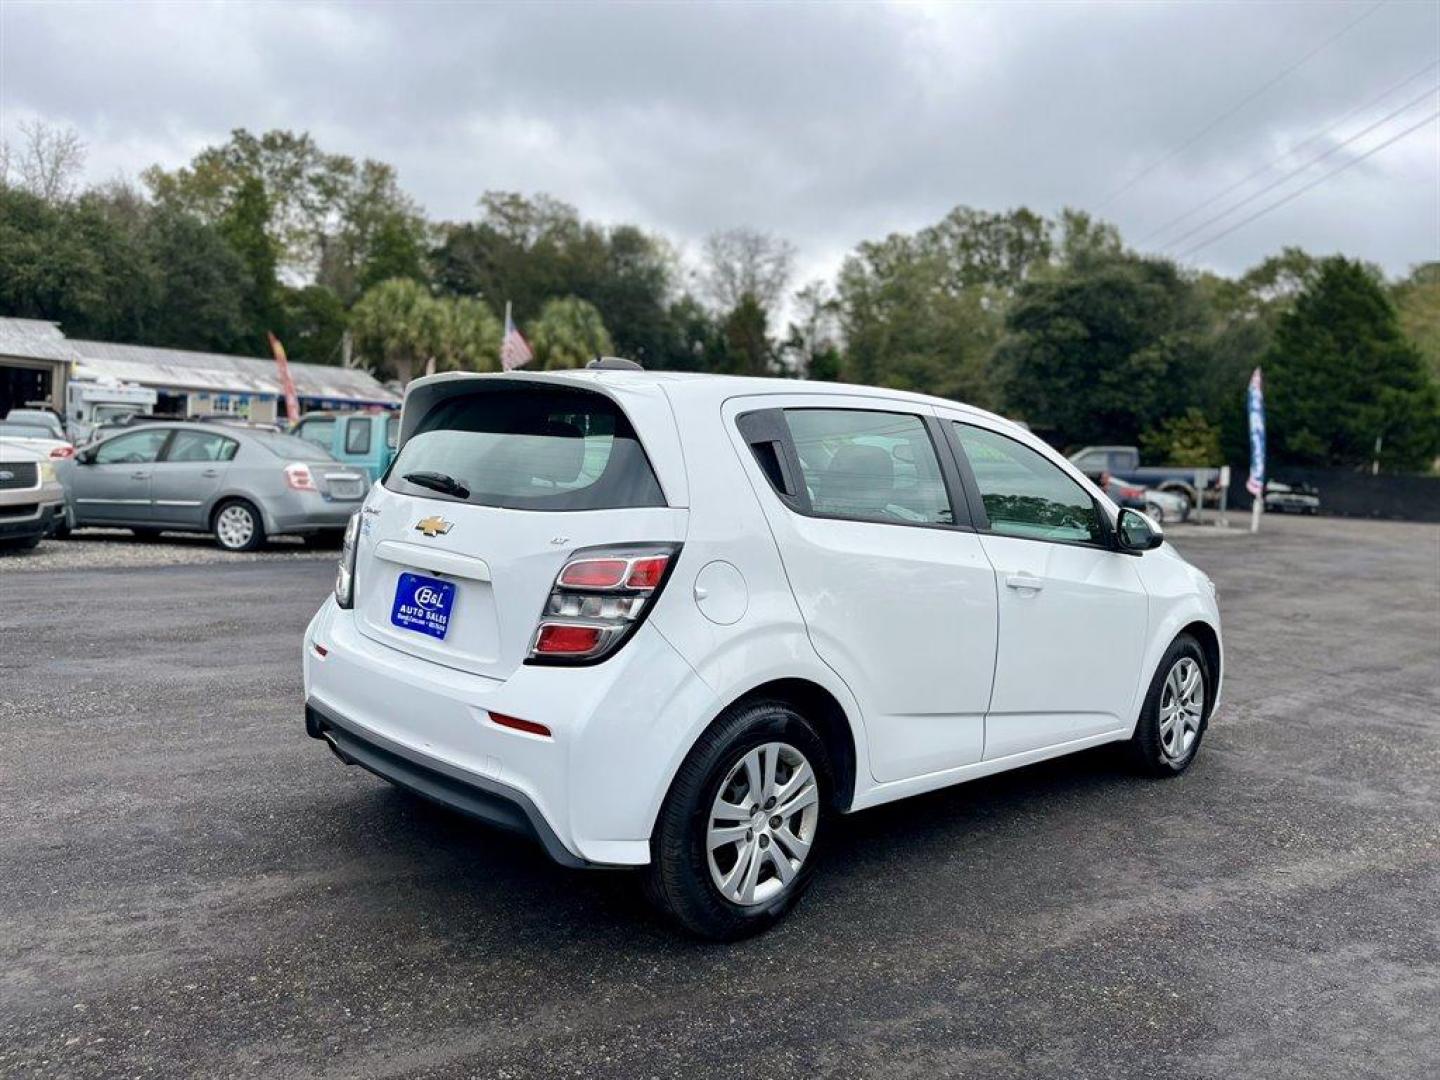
[[827, 124]]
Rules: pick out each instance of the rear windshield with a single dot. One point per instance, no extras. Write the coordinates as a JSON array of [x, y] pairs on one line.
[[289, 447], [530, 449]]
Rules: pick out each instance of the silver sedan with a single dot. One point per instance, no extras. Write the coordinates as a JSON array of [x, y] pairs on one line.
[[240, 485]]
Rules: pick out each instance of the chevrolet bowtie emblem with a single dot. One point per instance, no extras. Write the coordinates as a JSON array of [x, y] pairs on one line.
[[433, 526]]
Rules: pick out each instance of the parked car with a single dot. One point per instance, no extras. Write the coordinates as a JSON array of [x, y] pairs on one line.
[[31, 498], [364, 440], [1291, 499], [677, 622], [1195, 484], [1164, 506], [36, 438], [46, 419], [242, 486]]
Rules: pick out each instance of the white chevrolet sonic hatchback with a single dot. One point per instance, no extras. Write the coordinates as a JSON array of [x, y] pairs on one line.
[[677, 621]]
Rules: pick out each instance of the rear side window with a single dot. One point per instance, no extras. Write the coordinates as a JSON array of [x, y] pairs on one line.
[[200, 446], [357, 435], [874, 466], [530, 449], [1024, 493]]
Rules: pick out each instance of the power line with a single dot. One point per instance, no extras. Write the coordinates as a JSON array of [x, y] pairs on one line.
[[1314, 183], [1286, 177], [1334, 125], [1213, 124]]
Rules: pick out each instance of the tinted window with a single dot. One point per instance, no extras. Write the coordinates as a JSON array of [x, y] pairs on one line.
[[136, 449], [1024, 493], [200, 446], [357, 435], [877, 466], [320, 432], [531, 449]]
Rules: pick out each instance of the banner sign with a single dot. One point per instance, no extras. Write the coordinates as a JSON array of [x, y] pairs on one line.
[[287, 384], [1255, 405]]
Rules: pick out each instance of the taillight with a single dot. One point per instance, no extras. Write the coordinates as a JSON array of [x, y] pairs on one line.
[[299, 477], [598, 599], [345, 572], [66, 451]]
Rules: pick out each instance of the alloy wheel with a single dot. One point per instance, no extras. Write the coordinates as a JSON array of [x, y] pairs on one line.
[[235, 526], [1182, 705], [762, 824]]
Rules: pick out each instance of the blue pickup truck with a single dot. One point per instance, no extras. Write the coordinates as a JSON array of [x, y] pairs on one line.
[[1195, 484], [364, 440]]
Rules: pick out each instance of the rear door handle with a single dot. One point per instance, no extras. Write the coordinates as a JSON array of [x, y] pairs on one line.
[[210, 472], [1025, 581], [139, 476]]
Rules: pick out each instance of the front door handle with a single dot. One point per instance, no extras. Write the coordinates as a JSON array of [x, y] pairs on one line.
[[1025, 581]]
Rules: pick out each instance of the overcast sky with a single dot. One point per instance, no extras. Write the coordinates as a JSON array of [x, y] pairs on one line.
[[824, 123]]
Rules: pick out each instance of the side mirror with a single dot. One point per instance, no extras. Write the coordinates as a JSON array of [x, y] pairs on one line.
[[84, 457], [1136, 532]]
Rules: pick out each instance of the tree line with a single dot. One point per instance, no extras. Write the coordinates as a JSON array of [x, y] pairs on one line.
[[1050, 320]]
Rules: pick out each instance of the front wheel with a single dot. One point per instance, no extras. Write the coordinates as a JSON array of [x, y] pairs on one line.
[[238, 527], [735, 844], [1172, 722]]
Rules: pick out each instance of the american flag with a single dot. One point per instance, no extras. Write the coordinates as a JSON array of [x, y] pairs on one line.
[[514, 349]]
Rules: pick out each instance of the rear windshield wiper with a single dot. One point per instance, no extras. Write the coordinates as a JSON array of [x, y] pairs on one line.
[[438, 481]]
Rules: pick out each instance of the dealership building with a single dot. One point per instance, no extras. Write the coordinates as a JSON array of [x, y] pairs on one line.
[[37, 361]]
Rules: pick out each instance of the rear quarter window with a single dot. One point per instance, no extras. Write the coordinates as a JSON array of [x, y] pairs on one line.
[[525, 448]]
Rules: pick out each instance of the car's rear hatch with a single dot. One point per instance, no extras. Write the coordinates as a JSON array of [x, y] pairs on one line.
[[550, 468]]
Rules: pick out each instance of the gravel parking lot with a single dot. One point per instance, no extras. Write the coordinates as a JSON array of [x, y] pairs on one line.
[[189, 886], [110, 549]]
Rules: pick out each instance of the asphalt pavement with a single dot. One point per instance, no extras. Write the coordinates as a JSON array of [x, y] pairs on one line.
[[191, 887]]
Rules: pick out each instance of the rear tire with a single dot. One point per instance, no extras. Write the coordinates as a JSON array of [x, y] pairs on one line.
[[717, 872], [1177, 709], [237, 526]]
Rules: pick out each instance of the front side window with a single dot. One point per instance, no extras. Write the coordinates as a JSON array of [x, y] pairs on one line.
[[874, 466], [200, 446], [139, 448], [529, 449], [1024, 493], [357, 435]]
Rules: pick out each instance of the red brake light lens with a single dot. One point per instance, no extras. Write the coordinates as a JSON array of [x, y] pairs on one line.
[[298, 476], [598, 599], [558, 639], [63, 452], [646, 573], [594, 573]]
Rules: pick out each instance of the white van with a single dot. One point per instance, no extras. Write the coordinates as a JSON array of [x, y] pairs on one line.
[[677, 621]]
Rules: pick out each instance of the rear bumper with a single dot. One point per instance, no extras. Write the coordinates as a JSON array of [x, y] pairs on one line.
[[486, 800], [593, 787], [307, 512]]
